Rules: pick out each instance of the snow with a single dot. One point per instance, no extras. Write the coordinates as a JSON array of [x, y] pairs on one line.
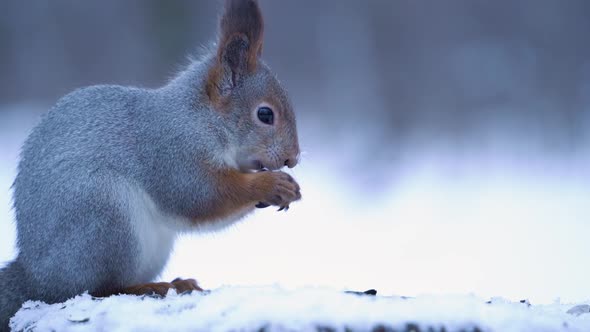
[[277, 309]]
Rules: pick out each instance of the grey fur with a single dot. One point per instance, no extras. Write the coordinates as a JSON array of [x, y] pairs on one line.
[[12, 293], [73, 225]]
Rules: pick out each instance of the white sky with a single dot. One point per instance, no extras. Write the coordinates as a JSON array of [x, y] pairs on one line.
[[508, 231]]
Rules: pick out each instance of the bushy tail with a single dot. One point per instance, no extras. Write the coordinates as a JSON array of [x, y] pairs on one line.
[[12, 292]]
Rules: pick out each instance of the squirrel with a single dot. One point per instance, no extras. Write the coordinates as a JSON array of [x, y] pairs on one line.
[[111, 174]]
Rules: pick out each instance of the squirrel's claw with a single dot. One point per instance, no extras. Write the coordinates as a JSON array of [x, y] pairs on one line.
[[262, 205]]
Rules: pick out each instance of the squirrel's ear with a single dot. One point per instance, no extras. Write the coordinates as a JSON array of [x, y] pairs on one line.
[[239, 45]]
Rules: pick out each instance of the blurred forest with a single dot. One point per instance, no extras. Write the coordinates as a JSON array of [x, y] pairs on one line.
[[371, 80]]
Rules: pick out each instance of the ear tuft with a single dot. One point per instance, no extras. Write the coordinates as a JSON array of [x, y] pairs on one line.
[[242, 21], [238, 48]]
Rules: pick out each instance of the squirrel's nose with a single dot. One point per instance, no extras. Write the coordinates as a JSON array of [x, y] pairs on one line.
[[291, 162]]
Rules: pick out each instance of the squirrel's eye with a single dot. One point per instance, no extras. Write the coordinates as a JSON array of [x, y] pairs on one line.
[[265, 115]]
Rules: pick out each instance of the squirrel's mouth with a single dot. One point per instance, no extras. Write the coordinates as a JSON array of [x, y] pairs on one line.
[[259, 166], [253, 166]]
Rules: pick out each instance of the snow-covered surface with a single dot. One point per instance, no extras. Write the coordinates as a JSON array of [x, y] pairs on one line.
[[277, 309]]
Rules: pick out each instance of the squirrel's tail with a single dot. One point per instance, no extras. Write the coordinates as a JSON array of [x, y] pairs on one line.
[[12, 292]]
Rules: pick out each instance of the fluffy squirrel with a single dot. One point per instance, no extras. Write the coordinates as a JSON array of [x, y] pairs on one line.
[[111, 175]]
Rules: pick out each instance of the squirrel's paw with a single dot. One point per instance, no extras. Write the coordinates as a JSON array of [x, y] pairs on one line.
[[186, 285], [280, 189], [161, 288], [154, 288]]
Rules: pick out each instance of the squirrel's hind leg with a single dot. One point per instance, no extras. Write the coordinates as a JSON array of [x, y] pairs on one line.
[[161, 288], [186, 285]]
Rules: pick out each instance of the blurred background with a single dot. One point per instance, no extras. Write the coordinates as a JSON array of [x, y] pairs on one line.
[[447, 143]]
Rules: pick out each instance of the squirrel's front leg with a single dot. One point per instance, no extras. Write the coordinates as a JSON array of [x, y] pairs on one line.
[[236, 191]]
